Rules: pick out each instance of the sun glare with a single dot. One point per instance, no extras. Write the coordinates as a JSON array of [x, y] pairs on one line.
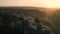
[[51, 3], [43, 3]]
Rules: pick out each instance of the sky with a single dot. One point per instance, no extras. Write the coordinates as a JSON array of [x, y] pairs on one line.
[[36, 3]]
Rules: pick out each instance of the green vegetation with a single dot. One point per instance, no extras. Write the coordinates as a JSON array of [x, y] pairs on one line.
[[51, 22]]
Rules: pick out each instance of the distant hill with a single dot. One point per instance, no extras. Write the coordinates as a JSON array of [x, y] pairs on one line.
[[28, 11]]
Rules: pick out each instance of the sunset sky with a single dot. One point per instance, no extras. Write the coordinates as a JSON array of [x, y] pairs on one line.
[[37, 3]]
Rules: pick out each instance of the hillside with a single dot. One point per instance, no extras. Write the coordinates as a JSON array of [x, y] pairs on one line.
[[28, 11]]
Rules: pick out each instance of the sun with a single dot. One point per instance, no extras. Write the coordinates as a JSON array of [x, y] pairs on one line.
[[51, 3]]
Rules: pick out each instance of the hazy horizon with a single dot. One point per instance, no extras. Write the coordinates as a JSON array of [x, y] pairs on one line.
[[36, 3]]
